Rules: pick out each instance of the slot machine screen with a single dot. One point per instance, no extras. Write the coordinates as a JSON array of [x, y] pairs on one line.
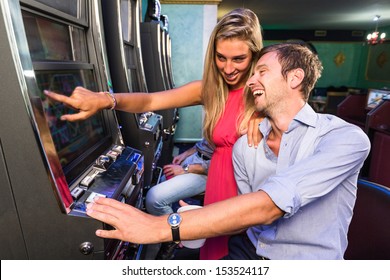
[[69, 7], [60, 60], [71, 139], [53, 41], [126, 11], [375, 96]]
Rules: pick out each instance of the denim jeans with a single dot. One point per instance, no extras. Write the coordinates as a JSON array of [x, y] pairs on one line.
[[159, 198]]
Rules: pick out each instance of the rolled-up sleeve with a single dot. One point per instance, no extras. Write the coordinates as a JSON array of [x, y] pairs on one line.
[[339, 154]]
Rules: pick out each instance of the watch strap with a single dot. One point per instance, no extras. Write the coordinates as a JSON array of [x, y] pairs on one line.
[[175, 234]]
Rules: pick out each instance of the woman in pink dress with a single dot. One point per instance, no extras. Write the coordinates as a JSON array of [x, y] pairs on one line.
[[230, 59], [232, 50], [220, 182]]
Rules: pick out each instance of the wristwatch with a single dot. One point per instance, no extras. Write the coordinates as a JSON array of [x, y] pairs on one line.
[[174, 221], [186, 168]]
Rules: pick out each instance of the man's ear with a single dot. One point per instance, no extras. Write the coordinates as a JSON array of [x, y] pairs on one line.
[[295, 77]]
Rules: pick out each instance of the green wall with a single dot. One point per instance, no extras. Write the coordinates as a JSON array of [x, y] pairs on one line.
[[186, 31], [346, 63]]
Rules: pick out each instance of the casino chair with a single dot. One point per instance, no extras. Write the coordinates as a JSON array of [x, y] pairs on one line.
[[369, 232], [333, 99]]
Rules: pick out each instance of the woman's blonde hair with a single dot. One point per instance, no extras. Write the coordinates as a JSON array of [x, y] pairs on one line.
[[240, 24]]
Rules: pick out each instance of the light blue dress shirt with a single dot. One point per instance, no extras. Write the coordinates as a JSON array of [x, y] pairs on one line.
[[205, 149], [313, 180]]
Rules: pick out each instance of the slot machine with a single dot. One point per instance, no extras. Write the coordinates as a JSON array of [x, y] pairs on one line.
[[153, 46], [171, 115], [168, 51], [51, 169], [121, 21], [164, 50]]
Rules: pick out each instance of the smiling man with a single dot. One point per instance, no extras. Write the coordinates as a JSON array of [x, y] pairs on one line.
[[307, 163]]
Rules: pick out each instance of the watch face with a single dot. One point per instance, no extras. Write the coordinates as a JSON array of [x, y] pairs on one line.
[[174, 219]]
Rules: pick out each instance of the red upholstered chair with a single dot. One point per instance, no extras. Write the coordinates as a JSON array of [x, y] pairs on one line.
[[333, 99], [369, 232]]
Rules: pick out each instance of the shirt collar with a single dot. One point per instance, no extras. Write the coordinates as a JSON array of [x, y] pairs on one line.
[[306, 116]]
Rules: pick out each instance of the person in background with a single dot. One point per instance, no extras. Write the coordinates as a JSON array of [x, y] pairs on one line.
[[297, 189], [230, 59], [185, 178]]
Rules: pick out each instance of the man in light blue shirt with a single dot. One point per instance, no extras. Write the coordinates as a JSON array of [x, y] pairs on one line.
[[297, 189], [188, 176], [307, 163]]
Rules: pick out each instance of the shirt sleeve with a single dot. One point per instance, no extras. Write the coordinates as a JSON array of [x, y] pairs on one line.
[[239, 165], [337, 157], [206, 164]]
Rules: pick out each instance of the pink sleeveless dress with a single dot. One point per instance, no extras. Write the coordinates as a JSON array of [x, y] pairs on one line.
[[220, 181]]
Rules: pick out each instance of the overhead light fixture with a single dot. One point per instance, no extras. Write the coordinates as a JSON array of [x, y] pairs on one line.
[[376, 37]]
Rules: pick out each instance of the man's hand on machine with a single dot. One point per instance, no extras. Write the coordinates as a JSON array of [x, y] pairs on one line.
[[130, 224]]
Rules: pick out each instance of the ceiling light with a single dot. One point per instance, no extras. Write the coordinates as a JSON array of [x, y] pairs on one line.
[[376, 37]]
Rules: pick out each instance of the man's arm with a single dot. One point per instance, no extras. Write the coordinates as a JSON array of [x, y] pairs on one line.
[[197, 168], [181, 157], [172, 170], [231, 215]]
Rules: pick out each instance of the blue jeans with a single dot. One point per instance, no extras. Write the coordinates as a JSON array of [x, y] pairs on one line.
[[159, 198]]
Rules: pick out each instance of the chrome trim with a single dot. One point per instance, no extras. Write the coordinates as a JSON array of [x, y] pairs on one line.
[[28, 86], [98, 30]]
